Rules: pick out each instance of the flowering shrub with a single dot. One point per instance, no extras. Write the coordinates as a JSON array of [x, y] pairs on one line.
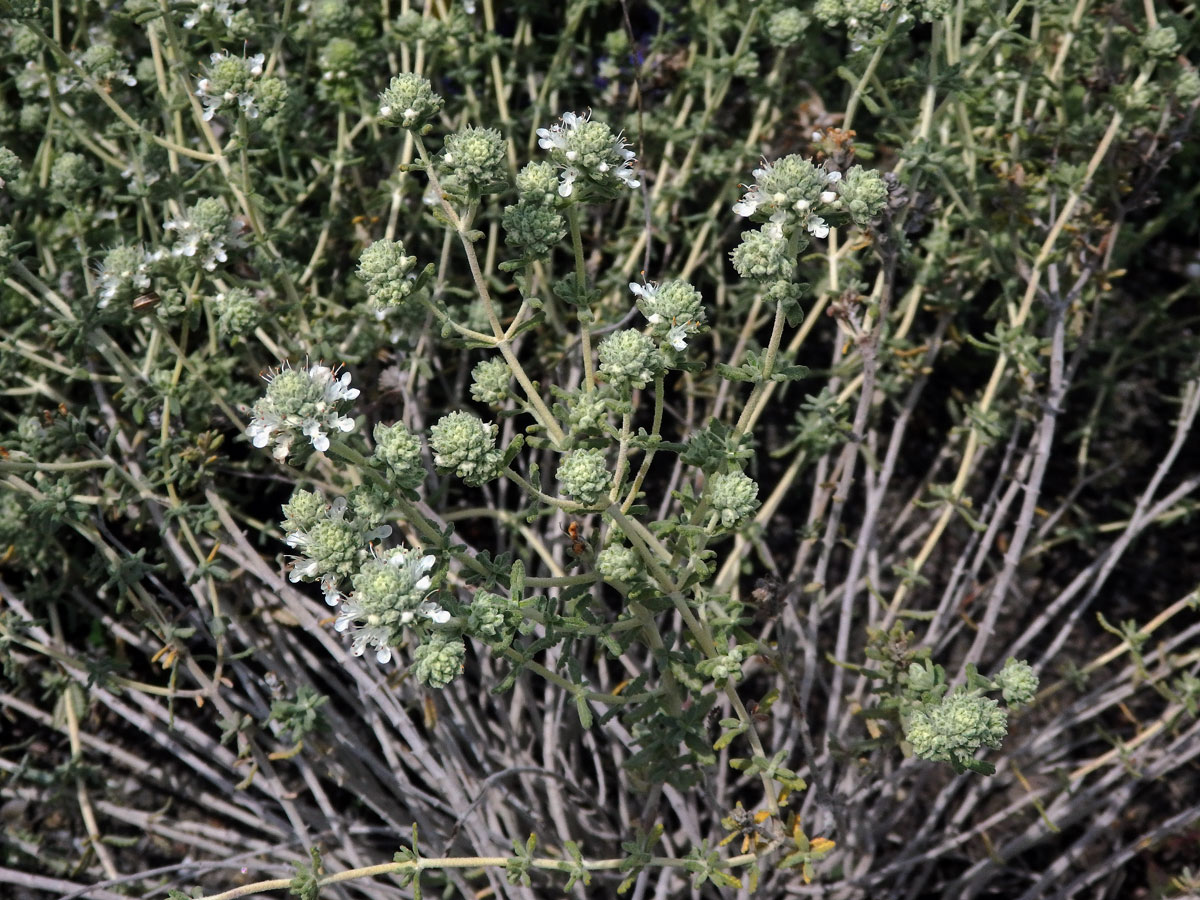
[[754, 428]]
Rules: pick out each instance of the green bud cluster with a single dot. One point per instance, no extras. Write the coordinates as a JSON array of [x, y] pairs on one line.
[[386, 271], [1161, 43], [537, 182], [954, 728], [238, 312], [70, 175], [10, 166], [340, 60], [105, 65], [474, 158], [304, 510], [763, 254], [733, 496], [587, 411], [629, 359], [494, 618], [618, 562], [786, 27], [533, 228], [584, 475], [489, 381], [439, 660], [398, 451], [1016, 682], [1187, 85], [466, 445], [863, 194], [409, 101]]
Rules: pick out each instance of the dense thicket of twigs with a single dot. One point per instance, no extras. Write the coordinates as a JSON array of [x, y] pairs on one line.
[[995, 450]]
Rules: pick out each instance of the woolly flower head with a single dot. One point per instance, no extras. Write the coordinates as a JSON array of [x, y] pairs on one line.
[[466, 445], [389, 594], [733, 496], [763, 254], [673, 308], [439, 660], [584, 475], [229, 83], [212, 12], [1017, 682], [332, 543], [409, 101], [475, 158], [124, 272], [629, 359], [952, 730], [102, 63], [301, 401], [587, 150], [790, 192], [386, 270], [204, 233]]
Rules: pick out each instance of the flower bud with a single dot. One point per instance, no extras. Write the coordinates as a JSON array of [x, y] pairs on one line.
[[409, 101], [466, 445], [584, 475], [733, 496]]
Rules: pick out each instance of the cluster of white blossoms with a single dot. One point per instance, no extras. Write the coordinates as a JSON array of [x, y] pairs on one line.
[[301, 401], [204, 232], [789, 192], [589, 150], [389, 594], [674, 309], [229, 82], [330, 543]]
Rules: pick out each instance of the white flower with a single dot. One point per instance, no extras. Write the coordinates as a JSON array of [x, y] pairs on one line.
[[431, 610], [586, 149], [677, 337], [816, 227], [303, 402], [646, 291]]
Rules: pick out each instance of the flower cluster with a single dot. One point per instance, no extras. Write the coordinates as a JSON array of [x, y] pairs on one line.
[[629, 359], [332, 544], [674, 310], [301, 401], [213, 12], [398, 451], [474, 158], [588, 150], [952, 730], [409, 101], [204, 232], [733, 496], [103, 64], [789, 192], [489, 381], [387, 272], [230, 83], [865, 17], [238, 312], [495, 618], [388, 595], [124, 273], [466, 445], [1016, 682], [618, 562], [439, 660], [584, 475]]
